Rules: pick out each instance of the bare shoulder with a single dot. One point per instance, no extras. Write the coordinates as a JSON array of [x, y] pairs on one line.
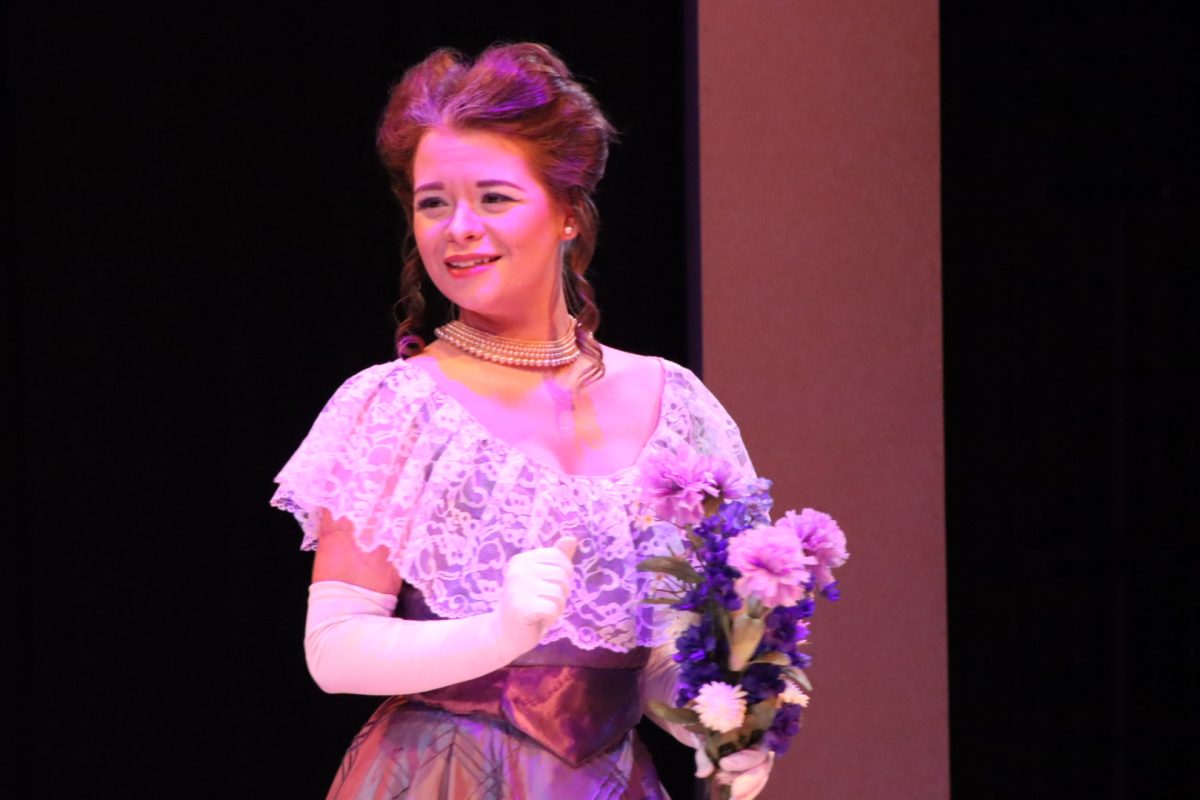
[[630, 380], [622, 366]]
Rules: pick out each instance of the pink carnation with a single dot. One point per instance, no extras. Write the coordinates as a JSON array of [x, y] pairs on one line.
[[820, 535], [725, 479], [675, 485], [773, 564]]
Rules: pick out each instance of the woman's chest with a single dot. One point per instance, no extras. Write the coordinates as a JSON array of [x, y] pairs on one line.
[[593, 429], [572, 436]]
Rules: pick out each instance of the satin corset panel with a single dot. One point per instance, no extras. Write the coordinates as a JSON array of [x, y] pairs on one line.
[[575, 703]]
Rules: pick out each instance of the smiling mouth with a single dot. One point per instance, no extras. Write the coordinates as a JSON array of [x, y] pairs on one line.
[[474, 262]]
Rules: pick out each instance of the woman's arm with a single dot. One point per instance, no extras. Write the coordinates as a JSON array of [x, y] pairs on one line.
[[339, 558], [354, 645]]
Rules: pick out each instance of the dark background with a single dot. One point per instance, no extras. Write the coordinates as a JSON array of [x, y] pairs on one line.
[[1071, 210], [199, 246]]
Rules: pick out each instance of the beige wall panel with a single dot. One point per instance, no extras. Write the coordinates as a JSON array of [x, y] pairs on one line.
[[819, 191]]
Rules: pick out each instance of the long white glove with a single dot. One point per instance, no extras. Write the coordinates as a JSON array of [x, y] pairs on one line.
[[660, 681], [354, 645]]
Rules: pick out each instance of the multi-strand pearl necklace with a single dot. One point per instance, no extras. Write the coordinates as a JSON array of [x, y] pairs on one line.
[[512, 352]]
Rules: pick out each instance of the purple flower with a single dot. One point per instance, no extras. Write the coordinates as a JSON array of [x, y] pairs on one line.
[[711, 556], [821, 536], [804, 609], [675, 485], [773, 565], [784, 726], [731, 519], [699, 652], [783, 630], [762, 681], [724, 479], [757, 497]]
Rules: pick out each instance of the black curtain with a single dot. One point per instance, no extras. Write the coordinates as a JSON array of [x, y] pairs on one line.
[[1071, 207], [199, 247]]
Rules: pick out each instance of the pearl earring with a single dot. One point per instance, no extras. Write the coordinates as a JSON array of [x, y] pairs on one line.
[[568, 230]]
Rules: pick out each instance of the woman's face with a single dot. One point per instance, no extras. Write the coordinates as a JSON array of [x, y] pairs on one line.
[[489, 233]]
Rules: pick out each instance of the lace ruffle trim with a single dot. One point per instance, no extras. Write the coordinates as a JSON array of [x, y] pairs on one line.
[[417, 474]]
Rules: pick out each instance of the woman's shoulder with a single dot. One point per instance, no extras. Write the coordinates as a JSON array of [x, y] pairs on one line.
[[391, 396], [394, 381], [644, 370], [623, 365], [398, 373], [678, 389], [688, 407], [374, 435]]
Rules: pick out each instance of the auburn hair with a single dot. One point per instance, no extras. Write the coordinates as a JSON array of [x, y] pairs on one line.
[[523, 91]]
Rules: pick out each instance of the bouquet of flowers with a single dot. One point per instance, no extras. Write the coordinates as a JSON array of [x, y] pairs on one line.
[[746, 588]]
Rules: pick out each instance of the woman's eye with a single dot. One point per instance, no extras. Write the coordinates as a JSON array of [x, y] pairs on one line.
[[493, 198], [426, 203]]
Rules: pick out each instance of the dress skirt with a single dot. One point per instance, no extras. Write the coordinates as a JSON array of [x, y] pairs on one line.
[[412, 750]]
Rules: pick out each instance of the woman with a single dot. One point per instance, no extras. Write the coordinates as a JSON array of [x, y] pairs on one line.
[[476, 502]]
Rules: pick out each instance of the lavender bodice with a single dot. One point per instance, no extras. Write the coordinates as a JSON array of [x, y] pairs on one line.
[[451, 502]]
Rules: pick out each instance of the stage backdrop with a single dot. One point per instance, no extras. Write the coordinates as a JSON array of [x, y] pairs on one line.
[[819, 199]]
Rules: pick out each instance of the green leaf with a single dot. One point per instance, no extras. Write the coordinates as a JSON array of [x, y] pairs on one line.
[[799, 677], [681, 716], [662, 601], [759, 716], [774, 657], [670, 565], [726, 623], [747, 633]]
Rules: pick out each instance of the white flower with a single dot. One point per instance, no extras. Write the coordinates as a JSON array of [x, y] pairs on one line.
[[644, 520], [792, 694], [721, 707]]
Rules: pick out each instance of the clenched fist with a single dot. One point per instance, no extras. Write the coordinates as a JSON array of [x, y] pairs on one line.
[[534, 594]]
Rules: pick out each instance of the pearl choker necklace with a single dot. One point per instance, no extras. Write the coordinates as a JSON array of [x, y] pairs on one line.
[[512, 352]]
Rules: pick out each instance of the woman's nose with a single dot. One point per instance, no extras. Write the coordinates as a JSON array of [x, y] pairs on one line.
[[464, 224]]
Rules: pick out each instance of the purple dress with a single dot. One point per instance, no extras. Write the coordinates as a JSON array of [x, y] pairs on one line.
[[451, 502]]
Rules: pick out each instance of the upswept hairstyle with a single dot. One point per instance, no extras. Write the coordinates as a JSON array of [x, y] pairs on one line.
[[523, 91]]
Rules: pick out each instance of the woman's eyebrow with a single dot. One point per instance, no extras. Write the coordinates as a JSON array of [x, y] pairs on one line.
[[496, 182], [437, 186]]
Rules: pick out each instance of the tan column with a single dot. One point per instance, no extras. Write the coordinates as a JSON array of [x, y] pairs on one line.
[[820, 246]]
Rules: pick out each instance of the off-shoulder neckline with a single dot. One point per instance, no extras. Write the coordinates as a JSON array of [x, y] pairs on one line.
[[444, 398]]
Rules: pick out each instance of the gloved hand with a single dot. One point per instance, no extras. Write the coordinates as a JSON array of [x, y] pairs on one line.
[[353, 644], [536, 585], [746, 771]]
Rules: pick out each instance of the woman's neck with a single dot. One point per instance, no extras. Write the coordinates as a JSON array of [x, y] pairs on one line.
[[532, 328]]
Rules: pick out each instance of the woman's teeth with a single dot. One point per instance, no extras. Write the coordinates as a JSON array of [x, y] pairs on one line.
[[476, 262]]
